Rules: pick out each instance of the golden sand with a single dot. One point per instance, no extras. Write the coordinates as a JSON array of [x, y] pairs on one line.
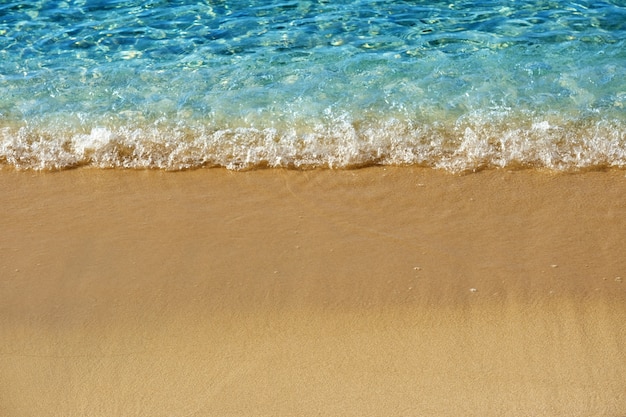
[[373, 292]]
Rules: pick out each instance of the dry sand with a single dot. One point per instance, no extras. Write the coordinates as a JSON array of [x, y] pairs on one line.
[[373, 292]]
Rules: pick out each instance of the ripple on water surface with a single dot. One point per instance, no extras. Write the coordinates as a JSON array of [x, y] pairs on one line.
[[181, 84]]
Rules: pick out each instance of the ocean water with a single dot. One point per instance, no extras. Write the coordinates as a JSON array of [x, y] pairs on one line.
[[458, 85]]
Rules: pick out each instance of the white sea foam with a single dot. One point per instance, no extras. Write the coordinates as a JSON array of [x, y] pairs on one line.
[[461, 146]]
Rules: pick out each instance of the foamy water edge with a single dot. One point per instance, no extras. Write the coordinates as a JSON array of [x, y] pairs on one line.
[[458, 147]]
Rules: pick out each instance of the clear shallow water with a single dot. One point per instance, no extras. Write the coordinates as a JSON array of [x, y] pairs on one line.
[[244, 84]]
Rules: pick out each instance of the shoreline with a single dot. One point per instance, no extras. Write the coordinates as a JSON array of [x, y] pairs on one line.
[[379, 291]]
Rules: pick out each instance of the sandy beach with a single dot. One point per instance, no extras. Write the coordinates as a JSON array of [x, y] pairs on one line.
[[369, 292]]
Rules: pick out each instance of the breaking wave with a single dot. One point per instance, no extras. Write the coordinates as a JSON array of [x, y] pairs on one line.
[[461, 146]]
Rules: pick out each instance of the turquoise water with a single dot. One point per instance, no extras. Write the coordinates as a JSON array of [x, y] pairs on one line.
[[243, 84]]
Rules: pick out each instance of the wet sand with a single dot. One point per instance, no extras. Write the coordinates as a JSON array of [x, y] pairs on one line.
[[372, 292]]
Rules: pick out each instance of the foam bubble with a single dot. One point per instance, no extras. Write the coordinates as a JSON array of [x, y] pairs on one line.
[[465, 145]]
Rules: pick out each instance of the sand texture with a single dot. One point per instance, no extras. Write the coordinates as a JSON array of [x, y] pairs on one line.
[[370, 292]]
